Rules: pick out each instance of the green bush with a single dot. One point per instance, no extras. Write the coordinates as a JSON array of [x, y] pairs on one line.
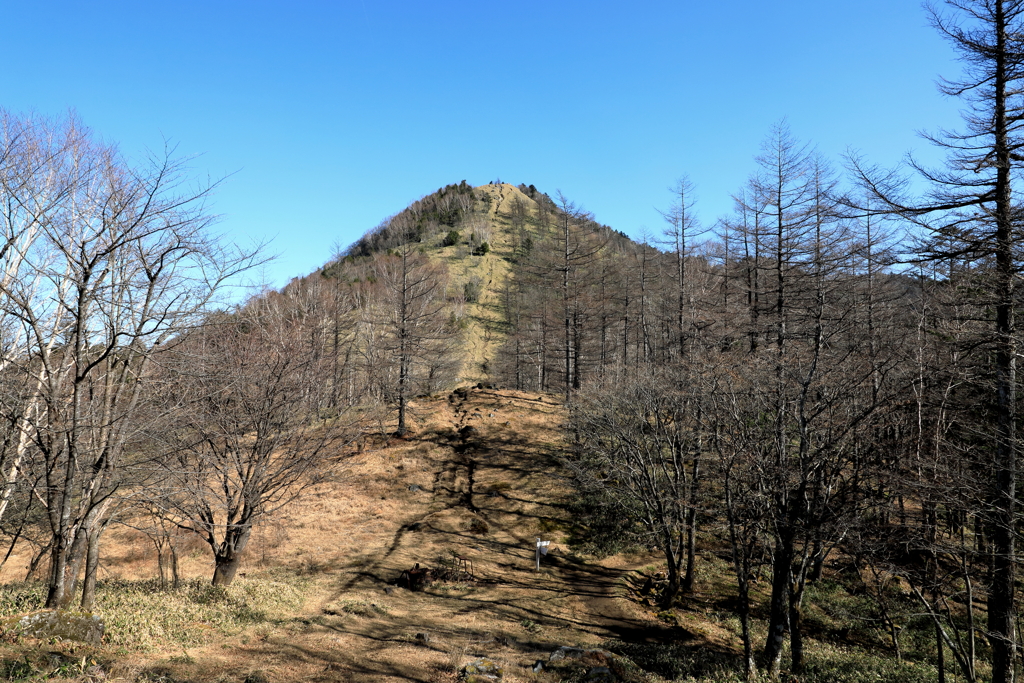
[[451, 239], [483, 249]]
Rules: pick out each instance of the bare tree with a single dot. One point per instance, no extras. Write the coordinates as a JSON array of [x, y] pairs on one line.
[[972, 214], [640, 445], [407, 308], [680, 235], [244, 436], [105, 262]]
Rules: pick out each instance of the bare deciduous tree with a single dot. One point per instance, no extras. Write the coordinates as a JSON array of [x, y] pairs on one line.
[[104, 262], [407, 308], [640, 444], [244, 436]]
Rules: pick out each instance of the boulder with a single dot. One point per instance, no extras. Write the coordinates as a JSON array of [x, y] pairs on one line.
[[77, 626], [566, 652], [601, 666], [482, 670], [600, 674]]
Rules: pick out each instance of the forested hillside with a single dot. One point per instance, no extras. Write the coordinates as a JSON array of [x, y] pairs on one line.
[[788, 437], [777, 387]]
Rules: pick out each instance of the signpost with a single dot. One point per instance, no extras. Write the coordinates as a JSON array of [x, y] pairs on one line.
[[542, 549]]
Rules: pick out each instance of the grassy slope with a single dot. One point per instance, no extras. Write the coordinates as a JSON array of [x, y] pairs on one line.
[[484, 335], [312, 603], [486, 499]]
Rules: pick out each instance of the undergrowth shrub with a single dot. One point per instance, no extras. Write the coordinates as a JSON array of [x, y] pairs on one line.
[[362, 608], [833, 664], [471, 291], [825, 664], [674, 661], [601, 526], [141, 617]]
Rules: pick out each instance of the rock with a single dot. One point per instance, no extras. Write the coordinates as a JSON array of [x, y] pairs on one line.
[[566, 652], [600, 674], [481, 670], [602, 666], [468, 432], [77, 626], [415, 487], [256, 677], [423, 638], [388, 590], [538, 666]]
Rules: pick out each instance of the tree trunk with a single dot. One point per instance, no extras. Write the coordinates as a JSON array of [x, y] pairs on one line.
[[175, 577], [940, 662], [796, 638], [691, 549], [743, 608], [65, 567], [778, 617], [227, 567], [92, 564], [672, 587], [228, 555]]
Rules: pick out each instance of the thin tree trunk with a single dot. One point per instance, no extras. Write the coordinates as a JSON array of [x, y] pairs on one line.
[[92, 564]]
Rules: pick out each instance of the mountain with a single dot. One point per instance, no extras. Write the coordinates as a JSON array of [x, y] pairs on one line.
[[508, 254]]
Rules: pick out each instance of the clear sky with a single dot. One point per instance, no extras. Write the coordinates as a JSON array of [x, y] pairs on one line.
[[329, 116]]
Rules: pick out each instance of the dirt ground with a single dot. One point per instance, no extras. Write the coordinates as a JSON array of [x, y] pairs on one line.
[[474, 504]]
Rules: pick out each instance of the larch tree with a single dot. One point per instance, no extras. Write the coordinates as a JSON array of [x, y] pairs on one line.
[[683, 227], [407, 309], [972, 216]]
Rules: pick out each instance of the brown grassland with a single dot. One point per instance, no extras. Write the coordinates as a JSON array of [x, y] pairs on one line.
[[425, 499], [315, 598]]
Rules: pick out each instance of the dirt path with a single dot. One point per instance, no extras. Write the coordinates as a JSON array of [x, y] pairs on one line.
[[483, 497]]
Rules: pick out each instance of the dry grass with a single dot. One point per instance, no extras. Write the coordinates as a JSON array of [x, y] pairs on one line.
[[491, 271], [313, 601]]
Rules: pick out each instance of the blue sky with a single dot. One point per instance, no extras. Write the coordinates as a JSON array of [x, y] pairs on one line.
[[329, 116]]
